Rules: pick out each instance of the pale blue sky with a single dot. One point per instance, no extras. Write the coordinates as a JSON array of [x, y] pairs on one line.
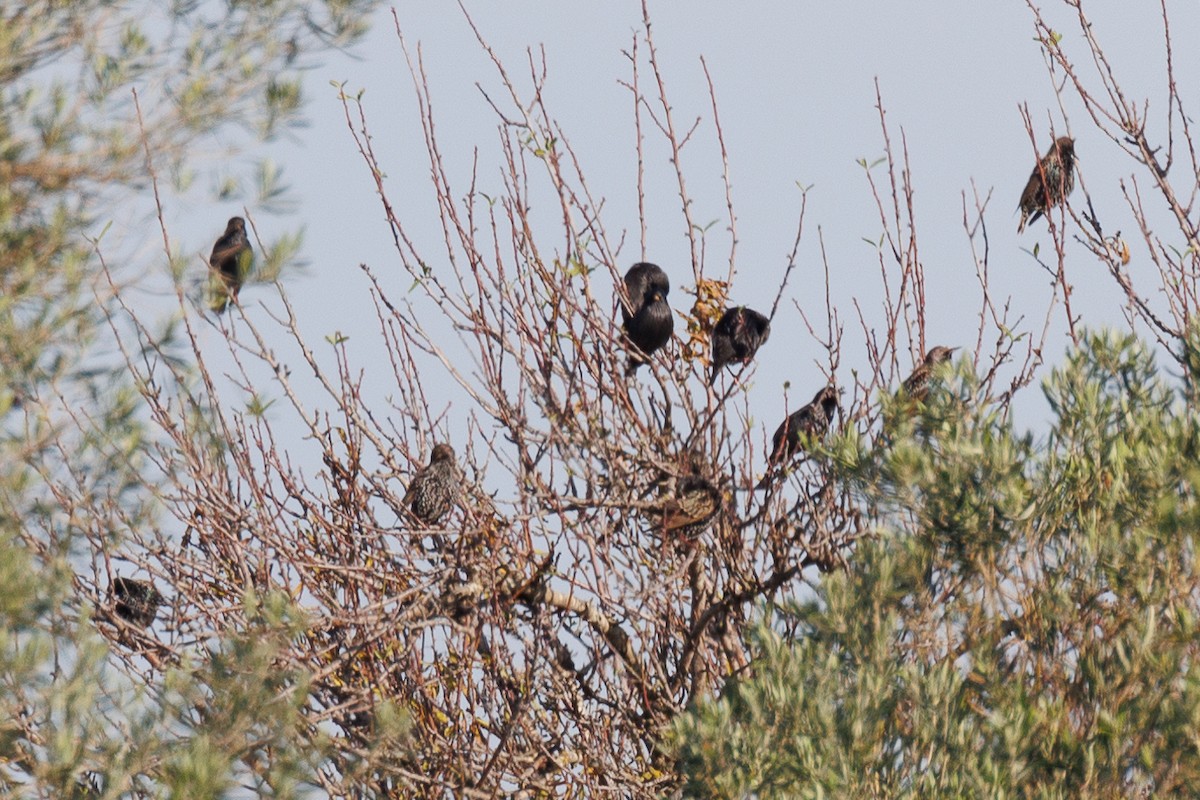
[[795, 83]]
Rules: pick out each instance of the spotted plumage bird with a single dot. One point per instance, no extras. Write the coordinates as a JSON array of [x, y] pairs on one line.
[[812, 420], [137, 601], [1051, 181], [229, 264], [737, 336], [916, 385], [647, 317], [436, 487], [688, 514]]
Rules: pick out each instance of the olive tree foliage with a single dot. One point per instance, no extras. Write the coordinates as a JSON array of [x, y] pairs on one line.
[[90, 94], [1024, 623], [1021, 618]]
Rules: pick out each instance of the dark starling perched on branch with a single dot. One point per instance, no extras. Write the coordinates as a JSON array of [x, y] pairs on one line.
[[648, 321], [229, 265], [137, 601], [812, 420], [737, 336], [1051, 181], [436, 487], [916, 385], [688, 514]]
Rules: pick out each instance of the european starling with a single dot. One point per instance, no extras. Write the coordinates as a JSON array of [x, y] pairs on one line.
[[812, 420], [436, 487], [688, 514], [1051, 181], [229, 264], [916, 385], [137, 601], [737, 336], [648, 321]]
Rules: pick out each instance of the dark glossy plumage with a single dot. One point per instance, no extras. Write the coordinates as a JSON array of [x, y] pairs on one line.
[[812, 420], [137, 601], [436, 487], [1051, 181], [688, 514], [916, 385], [647, 317], [737, 336], [229, 263]]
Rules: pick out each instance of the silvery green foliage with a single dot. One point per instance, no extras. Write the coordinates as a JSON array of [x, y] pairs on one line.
[[76, 455], [1024, 624]]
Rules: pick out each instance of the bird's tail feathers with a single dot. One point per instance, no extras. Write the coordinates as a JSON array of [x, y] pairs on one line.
[[219, 293]]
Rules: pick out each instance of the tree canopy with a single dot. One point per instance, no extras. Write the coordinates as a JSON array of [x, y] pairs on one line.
[[96, 99], [530, 569], [1022, 623]]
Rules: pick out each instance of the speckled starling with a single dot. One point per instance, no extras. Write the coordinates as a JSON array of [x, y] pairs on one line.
[[688, 514], [137, 601], [229, 265], [436, 487], [811, 420], [737, 336], [648, 321], [1051, 181], [916, 385]]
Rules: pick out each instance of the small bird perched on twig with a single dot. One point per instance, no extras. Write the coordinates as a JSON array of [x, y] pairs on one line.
[[1051, 181], [229, 265], [137, 601], [916, 385], [647, 317], [436, 487], [688, 514], [737, 336], [812, 420]]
